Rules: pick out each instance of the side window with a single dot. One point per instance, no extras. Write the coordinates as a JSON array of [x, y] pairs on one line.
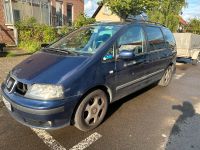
[[155, 38], [132, 40], [110, 55], [170, 40]]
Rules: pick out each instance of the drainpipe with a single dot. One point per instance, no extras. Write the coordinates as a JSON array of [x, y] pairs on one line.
[[13, 26]]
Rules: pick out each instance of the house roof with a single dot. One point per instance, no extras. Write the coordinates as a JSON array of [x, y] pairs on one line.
[[182, 21]]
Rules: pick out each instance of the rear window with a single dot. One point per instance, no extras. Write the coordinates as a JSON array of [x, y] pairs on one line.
[[155, 38], [169, 37]]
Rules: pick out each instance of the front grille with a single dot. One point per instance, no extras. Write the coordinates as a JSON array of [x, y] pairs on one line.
[[13, 85], [21, 88]]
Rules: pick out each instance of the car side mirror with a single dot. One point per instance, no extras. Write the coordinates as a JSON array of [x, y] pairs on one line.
[[126, 55], [44, 45]]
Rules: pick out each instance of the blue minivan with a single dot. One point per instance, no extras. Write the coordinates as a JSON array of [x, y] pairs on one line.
[[73, 80]]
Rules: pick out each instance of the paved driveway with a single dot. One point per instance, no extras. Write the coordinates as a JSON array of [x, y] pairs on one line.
[[6, 63], [152, 119]]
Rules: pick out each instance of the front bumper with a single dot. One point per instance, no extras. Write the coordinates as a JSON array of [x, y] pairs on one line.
[[40, 114]]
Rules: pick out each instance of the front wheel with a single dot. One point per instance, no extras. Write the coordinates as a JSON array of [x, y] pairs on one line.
[[167, 77], [91, 111]]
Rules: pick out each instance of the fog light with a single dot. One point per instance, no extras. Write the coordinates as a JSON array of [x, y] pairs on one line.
[[50, 123]]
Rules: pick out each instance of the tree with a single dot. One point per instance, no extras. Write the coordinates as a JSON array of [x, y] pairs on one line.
[[124, 8], [167, 12], [194, 26]]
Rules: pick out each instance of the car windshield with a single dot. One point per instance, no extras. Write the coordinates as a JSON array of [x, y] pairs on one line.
[[86, 40]]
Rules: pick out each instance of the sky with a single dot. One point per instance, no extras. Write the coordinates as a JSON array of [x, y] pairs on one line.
[[90, 7], [192, 10]]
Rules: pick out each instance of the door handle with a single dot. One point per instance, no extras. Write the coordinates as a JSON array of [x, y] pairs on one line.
[[111, 71], [130, 63]]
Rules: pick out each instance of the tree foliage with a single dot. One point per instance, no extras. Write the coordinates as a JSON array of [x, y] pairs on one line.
[[123, 8], [167, 12], [83, 20], [194, 26]]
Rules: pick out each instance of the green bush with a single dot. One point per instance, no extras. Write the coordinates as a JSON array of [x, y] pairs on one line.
[[32, 34], [83, 20], [30, 46], [194, 26], [49, 34]]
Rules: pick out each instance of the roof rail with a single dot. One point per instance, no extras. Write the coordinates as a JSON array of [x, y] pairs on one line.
[[143, 21]]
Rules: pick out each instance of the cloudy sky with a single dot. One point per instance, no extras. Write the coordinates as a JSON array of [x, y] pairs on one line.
[[192, 11]]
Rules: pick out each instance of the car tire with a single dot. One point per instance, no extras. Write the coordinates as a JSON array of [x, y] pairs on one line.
[[196, 61], [167, 77], [91, 111]]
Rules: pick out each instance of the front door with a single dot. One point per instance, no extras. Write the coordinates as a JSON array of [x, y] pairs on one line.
[[130, 73]]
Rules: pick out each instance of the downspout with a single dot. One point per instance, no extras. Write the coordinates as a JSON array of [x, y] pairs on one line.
[[13, 26]]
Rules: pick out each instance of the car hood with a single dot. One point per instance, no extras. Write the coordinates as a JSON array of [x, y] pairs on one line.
[[48, 68]]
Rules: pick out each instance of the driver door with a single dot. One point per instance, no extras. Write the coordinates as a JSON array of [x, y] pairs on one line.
[[129, 73]]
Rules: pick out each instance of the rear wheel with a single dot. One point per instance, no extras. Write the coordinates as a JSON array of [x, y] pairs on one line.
[[167, 77], [91, 111], [196, 61]]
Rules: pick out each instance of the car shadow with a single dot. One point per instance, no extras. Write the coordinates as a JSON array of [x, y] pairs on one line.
[[185, 132], [6, 54], [113, 107]]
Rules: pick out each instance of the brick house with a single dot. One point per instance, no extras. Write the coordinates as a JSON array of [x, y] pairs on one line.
[[51, 12]]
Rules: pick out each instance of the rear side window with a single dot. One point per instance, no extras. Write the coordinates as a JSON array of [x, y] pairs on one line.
[[170, 40], [155, 38]]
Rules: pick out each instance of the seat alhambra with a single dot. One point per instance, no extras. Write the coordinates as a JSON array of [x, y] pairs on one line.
[[73, 80]]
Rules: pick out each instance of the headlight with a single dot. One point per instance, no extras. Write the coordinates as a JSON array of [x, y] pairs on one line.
[[45, 92]]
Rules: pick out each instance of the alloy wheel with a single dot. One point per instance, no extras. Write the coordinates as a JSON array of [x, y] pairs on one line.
[[168, 75], [93, 110]]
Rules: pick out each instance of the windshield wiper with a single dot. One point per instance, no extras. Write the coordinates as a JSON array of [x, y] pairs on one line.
[[55, 50], [60, 51]]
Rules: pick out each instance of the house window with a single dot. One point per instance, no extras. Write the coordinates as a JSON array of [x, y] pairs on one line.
[[59, 17], [69, 13], [38, 9], [16, 14], [45, 12], [8, 12]]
